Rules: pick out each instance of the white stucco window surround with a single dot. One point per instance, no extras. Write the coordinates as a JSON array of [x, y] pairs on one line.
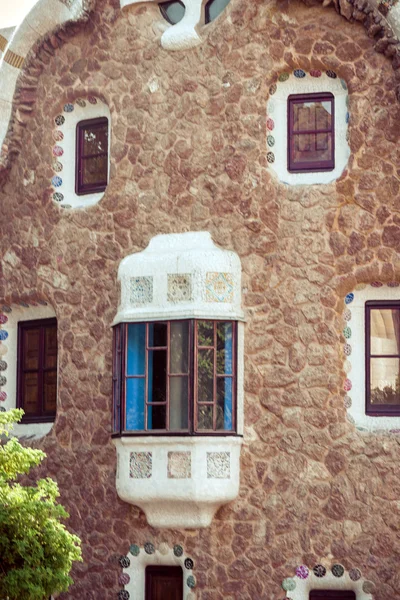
[[321, 577], [10, 316], [302, 82], [64, 150], [180, 480], [354, 355], [138, 558]]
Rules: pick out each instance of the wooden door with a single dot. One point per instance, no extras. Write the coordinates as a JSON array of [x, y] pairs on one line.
[[164, 583]]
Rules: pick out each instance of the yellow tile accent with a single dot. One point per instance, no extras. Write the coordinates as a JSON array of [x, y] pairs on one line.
[[13, 59], [3, 43]]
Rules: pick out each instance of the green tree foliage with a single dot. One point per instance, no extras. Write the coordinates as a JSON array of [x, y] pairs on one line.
[[36, 550]]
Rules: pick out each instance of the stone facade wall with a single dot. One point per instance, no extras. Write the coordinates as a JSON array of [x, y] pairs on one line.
[[188, 152]]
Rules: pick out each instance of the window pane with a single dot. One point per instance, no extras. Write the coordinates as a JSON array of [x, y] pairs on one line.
[[173, 11], [205, 333], [135, 404], [224, 348], [157, 385], [385, 381], [50, 391], [135, 360], [30, 389], [158, 334], [94, 170], [179, 349], [215, 8], [224, 403], [178, 403], [205, 417], [31, 346], [95, 139], [311, 116], [156, 417], [50, 339], [385, 331], [205, 375], [312, 148]]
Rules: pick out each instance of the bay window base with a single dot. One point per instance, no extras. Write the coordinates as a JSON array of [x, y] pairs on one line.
[[179, 482]]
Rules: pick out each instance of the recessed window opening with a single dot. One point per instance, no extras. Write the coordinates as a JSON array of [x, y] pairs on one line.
[[311, 132], [91, 156], [332, 595], [382, 325], [174, 10], [175, 376], [163, 583], [37, 370]]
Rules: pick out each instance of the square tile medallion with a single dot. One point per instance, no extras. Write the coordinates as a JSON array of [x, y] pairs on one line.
[[218, 465], [141, 290], [140, 466], [179, 465], [179, 288], [219, 287]]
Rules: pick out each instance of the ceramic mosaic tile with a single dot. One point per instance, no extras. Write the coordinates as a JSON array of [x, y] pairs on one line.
[[149, 548], [59, 120], [56, 181], [3, 349], [368, 587], [289, 584], [58, 151], [3, 396], [58, 135], [270, 124], [124, 562], [302, 572], [58, 197], [283, 77], [3, 380], [134, 549], [6, 308], [219, 287], [319, 571], [315, 73], [355, 574], [347, 401], [3, 319], [57, 166], [347, 385], [270, 141], [271, 157], [218, 465], [189, 564], [92, 100], [178, 550], [349, 298], [123, 595], [337, 570], [3, 365], [3, 335], [191, 582], [68, 108], [80, 102], [179, 288], [299, 73], [140, 466], [179, 465], [272, 89], [124, 579], [331, 74], [141, 290]]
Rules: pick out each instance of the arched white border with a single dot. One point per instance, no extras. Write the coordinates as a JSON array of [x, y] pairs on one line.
[[277, 111], [166, 557], [355, 363], [329, 582], [79, 113], [10, 349]]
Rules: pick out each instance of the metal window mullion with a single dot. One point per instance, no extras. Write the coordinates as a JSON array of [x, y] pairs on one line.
[[215, 379], [146, 372], [123, 367]]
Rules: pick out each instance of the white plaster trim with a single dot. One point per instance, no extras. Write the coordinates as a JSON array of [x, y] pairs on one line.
[[277, 110], [178, 503], [356, 360], [18, 313], [45, 16], [304, 586], [68, 158], [166, 557]]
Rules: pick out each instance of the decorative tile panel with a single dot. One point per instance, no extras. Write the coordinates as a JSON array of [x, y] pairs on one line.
[[179, 465], [218, 465], [305, 579], [219, 287], [179, 288], [141, 290], [140, 466]]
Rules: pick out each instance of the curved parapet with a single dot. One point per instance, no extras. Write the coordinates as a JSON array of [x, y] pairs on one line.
[[45, 17]]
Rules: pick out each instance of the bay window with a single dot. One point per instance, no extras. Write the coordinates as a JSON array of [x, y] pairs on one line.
[[175, 377]]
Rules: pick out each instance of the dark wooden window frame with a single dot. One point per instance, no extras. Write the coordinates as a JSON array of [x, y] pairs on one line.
[[80, 188], [41, 416], [332, 595], [377, 410], [307, 167], [152, 571], [120, 377]]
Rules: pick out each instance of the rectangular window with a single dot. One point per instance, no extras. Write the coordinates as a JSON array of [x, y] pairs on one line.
[[163, 583], [332, 595], [382, 334], [37, 370], [91, 156], [175, 376], [311, 132]]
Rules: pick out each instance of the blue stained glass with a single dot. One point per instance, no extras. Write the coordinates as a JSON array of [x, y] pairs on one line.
[[135, 404], [136, 349]]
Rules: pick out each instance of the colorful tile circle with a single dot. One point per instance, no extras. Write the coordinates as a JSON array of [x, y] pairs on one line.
[[315, 73], [178, 550], [299, 73], [337, 570], [355, 574], [149, 548], [270, 124], [124, 562], [349, 298], [124, 579], [302, 572], [3, 335], [289, 584], [3, 319], [283, 77], [68, 108], [134, 549], [331, 74], [191, 582], [189, 564], [3, 365], [58, 197], [56, 181], [319, 571], [59, 120], [270, 157], [3, 396], [272, 89]]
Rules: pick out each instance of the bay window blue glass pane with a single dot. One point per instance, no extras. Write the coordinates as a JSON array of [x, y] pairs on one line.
[[224, 348], [224, 403], [136, 352], [135, 404]]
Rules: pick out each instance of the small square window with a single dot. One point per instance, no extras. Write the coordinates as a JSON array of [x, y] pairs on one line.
[[311, 132], [91, 156], [382, 324], [332, 595], [37, 370], [164, 583]]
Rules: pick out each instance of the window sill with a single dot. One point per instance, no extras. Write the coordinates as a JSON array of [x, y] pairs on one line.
[[178, 481], [33, 430]]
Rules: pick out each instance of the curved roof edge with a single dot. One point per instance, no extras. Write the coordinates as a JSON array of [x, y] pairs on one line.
[[381, 19]]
